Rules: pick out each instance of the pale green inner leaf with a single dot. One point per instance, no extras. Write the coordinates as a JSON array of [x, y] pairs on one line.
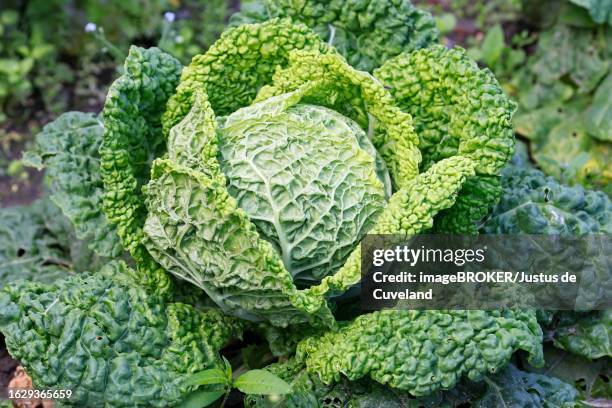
[[307, 178]]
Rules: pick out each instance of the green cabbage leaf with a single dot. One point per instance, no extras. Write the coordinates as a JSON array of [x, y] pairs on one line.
[[422, 351], [109, 339], [367, 33], [132, 139], [600, 11], [67, 149], [240, 62], [510, 387], [39, 244], [584, 334], [457, 109]]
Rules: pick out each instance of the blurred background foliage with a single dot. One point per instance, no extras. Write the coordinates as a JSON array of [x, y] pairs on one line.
[[50, 62], [554, 58], [551, 56]]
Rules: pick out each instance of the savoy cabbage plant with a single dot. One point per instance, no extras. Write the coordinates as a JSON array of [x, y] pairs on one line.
[[253, 174], [285, 177]]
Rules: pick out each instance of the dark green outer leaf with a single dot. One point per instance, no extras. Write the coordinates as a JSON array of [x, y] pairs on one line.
[[535, 204], [572, 369], [600, 10], [68, 149], [39, 244], [587, 335], [515, 388], [110, 340]]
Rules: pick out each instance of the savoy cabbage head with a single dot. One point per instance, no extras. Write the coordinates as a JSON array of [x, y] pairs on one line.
[[306, 176]]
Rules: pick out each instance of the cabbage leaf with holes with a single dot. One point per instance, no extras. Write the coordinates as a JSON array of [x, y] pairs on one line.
[[110, 340], [39, 244]]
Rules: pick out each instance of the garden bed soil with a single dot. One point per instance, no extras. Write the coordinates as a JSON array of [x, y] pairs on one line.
[[7, 365]]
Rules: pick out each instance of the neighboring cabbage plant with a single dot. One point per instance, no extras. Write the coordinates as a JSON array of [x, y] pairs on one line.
[[533, 203], [536, 204], [564, 95]]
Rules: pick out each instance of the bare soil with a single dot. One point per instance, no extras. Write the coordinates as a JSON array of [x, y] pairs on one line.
[[7, 365]]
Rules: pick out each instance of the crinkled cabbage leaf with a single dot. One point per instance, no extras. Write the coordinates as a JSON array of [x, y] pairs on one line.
[[39, 244], [366, 33], [67, 149], [110, 340]]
